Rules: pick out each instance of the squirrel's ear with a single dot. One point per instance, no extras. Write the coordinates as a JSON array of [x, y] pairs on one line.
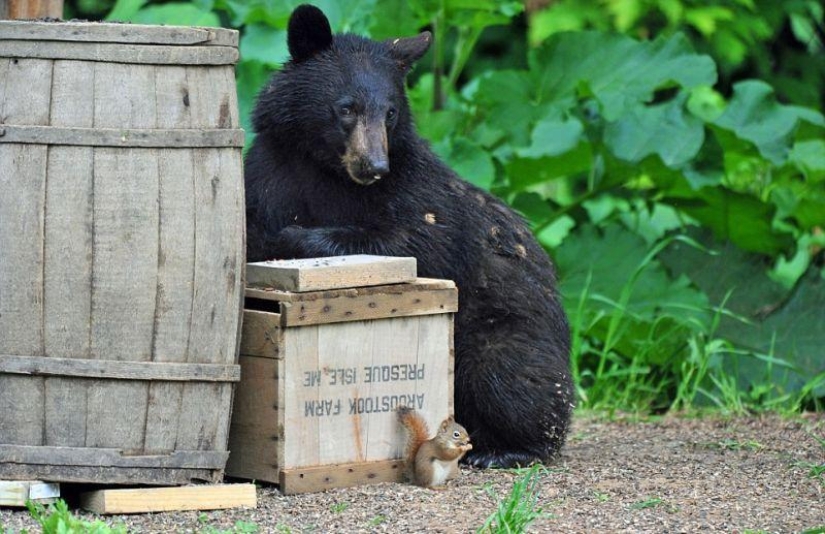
[[308, 32], [408, 50]]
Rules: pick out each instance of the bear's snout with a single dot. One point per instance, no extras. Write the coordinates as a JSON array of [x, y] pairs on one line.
[[366, 159]]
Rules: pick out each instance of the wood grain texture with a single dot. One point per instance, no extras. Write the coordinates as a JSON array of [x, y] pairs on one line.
[[101, 32], [336, 309], [300, 447], [344, 438], [119, 369], [125, 262], [147, 500], [394, 341], [262, 334], [133, 54], [16, 493], [136, 239], [109, 475], [68, 254], [254, 432], [122, 137], [176, 262], [22, 205], [320, 478], [31, 9], [434, 351], [110, 457], [319, 274], [22, 213]]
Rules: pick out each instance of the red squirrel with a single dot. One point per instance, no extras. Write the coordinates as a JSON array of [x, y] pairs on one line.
[[431, 462]]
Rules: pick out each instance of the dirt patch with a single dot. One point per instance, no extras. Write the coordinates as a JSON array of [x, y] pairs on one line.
[[671, 475]]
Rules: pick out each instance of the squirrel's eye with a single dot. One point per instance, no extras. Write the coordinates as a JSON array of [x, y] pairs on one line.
[[456, 434]]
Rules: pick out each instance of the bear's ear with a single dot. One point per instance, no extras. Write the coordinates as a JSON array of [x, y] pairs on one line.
[[408, 50], [308, 32]]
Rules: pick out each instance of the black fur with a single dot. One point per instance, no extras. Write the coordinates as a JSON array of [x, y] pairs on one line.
[[513, 389]]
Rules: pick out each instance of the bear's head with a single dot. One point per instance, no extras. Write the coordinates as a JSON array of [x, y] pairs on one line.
[[340, 100]]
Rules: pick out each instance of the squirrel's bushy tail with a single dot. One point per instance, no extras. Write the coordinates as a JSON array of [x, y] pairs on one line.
[[417, 432]]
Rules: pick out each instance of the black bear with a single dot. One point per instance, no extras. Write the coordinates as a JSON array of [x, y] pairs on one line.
[[337, 168]]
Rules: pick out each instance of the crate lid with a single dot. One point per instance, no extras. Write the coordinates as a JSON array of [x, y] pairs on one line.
[[339, 272]]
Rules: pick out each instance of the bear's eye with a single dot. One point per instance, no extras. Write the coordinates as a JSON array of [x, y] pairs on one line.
[[345, 111], [391, 114]]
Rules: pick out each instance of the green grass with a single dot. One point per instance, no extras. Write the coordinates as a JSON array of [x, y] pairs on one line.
[[737, 445], [815, 470], [339, 507], [652, 502], [517, 510], [623, 360], [57, 519]]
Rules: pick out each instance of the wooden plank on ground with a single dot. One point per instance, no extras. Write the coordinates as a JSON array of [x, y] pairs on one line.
[[318, 274], [144, 500], [323, 477], [17, 492]]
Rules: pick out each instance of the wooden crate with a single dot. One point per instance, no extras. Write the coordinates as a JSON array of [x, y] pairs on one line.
[[322, 373], [121, 251]]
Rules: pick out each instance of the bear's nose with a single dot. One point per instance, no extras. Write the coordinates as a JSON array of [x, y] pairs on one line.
[[378, 168]]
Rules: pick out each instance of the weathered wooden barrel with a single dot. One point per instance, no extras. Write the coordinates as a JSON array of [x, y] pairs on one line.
[[121, 251]]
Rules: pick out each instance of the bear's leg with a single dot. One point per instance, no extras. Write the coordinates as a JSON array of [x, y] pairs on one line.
[[514, 396]]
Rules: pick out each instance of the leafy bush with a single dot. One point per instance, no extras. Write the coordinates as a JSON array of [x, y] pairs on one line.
[[685, 215]]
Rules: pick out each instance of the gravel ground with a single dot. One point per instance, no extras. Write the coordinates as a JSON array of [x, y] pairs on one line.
[[669, 475]]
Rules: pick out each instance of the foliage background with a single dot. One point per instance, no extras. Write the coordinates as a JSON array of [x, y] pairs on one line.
[[669, 154]]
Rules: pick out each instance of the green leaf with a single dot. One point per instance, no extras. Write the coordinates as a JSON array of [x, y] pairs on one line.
[[620, 72], [265, 44], [774, 321], [125, 9], [737, 217], [506, 96], [706, 19], [730, 270], [353, 16], [610, 260], [525, 172], [394, 18], [275, 13], [706, 103], [471, 162], [251, 76], [809, 157], [754, 115], [173, 13], [553, 137], [664, 130], [558, 17]]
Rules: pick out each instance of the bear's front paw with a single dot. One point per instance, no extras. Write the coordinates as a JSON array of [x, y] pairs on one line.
[[313, 242]]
